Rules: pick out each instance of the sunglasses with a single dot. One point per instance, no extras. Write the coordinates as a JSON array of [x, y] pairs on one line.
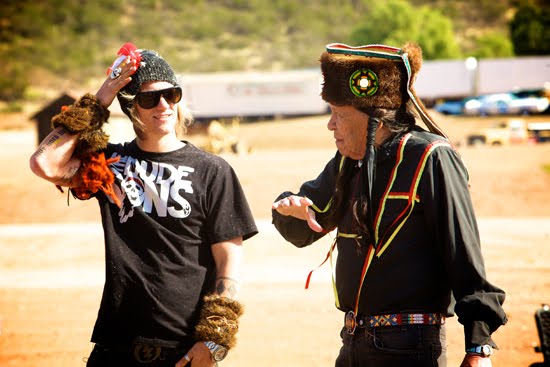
[[151, 99]]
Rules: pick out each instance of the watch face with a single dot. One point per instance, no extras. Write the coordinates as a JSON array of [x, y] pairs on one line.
[[486, 350], [219, 354]]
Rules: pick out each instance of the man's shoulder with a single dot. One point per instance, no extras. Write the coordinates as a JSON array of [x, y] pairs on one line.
[[422, 139]]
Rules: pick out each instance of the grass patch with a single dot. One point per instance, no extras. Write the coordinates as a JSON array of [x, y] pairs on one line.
[[11, 107]]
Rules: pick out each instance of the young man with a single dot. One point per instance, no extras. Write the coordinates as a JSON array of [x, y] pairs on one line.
[[174, 219]]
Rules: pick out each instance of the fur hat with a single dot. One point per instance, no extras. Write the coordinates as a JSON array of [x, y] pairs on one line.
[[151, 68], [376, 76]]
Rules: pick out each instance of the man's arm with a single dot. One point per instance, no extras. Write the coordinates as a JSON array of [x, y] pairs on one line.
[[53, 159], [228, 258]]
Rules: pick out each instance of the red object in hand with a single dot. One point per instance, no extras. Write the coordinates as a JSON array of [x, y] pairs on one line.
[[127, 49]]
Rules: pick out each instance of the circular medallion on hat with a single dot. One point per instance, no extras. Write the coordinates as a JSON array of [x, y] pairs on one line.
[[363, 82]]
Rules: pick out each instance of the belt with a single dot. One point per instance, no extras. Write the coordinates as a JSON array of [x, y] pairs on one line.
[[145, 352], [395, 319]]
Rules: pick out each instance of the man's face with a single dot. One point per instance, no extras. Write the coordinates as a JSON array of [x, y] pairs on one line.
[[349, 126], [162, 118]]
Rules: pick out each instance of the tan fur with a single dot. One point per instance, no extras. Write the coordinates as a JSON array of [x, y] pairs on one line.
[[219, 321], [414, 53]]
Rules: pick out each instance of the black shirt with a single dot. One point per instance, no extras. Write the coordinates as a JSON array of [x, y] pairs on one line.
[[159, 263], [426, 236]]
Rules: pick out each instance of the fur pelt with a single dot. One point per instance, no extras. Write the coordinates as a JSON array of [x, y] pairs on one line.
[[219, 320], [86, 117]]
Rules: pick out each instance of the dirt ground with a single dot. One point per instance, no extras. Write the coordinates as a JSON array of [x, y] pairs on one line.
[[51, 254]]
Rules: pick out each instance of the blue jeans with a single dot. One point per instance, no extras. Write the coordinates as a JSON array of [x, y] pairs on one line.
[[388, 346]]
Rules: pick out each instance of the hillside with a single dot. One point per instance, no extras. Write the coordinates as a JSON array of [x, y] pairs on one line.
[[63, 44]]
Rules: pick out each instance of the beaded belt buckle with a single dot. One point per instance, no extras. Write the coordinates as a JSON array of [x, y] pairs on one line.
[[350, 322], [406, 319]]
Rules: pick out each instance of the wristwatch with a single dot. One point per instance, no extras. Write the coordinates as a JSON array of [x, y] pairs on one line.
[[481, 350], [218, 352]]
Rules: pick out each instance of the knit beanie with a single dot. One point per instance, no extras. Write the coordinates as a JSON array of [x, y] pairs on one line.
[[152, 68]]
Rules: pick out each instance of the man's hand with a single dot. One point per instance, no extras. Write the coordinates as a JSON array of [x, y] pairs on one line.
[[198, 356], [298, 207], [110, 87], [472, 360]]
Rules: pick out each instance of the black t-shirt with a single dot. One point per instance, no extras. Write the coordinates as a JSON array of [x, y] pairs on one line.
[[159, 262]]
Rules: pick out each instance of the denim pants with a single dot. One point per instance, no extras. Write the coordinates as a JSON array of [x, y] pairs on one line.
[[389, 346], [102, 356]]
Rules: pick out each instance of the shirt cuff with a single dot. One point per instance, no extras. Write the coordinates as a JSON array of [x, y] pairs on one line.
[[476, 334]]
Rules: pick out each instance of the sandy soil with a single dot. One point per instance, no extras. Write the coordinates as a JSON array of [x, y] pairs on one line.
[[51, 255]]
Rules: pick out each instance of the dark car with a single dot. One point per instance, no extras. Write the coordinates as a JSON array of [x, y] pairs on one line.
[[449, 107], [452, 107]]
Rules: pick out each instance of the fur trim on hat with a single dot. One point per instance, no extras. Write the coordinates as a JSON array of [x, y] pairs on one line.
[[414, 53], [219, 321], [391, 77], [374, 79]]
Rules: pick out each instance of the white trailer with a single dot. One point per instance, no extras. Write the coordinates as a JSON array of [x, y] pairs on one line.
[[297, 92], [458, 79], [253, 94], [513, 74], [444, 79]]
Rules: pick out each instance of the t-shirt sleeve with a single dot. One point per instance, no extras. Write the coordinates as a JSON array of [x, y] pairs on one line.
[[229, 215]]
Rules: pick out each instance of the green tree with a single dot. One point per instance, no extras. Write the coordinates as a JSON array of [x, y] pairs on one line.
[[530, 30], [397, 22], [492, 45], [436, 35]]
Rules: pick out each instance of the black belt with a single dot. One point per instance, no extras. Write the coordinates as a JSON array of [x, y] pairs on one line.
[[146, 352]]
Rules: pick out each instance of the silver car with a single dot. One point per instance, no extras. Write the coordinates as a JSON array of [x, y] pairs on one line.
[[505, 104]]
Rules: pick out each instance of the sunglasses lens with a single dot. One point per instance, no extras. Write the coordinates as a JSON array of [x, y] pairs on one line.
[[148, 100], [172, 95]]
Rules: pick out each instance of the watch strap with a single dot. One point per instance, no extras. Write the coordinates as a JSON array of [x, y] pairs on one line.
[[212, 346], [474, 350], [218, 352], [481, 350]]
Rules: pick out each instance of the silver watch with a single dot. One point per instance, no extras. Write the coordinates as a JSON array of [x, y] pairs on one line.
[[481, 350], [218, 352]]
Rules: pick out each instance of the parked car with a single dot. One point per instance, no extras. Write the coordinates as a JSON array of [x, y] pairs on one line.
[[505, 104], [512, 131], [450, 107]]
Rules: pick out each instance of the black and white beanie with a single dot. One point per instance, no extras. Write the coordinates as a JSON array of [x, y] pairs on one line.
[[151, 68]]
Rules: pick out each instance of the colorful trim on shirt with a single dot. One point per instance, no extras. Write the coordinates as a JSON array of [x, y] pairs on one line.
[[381, 243]]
